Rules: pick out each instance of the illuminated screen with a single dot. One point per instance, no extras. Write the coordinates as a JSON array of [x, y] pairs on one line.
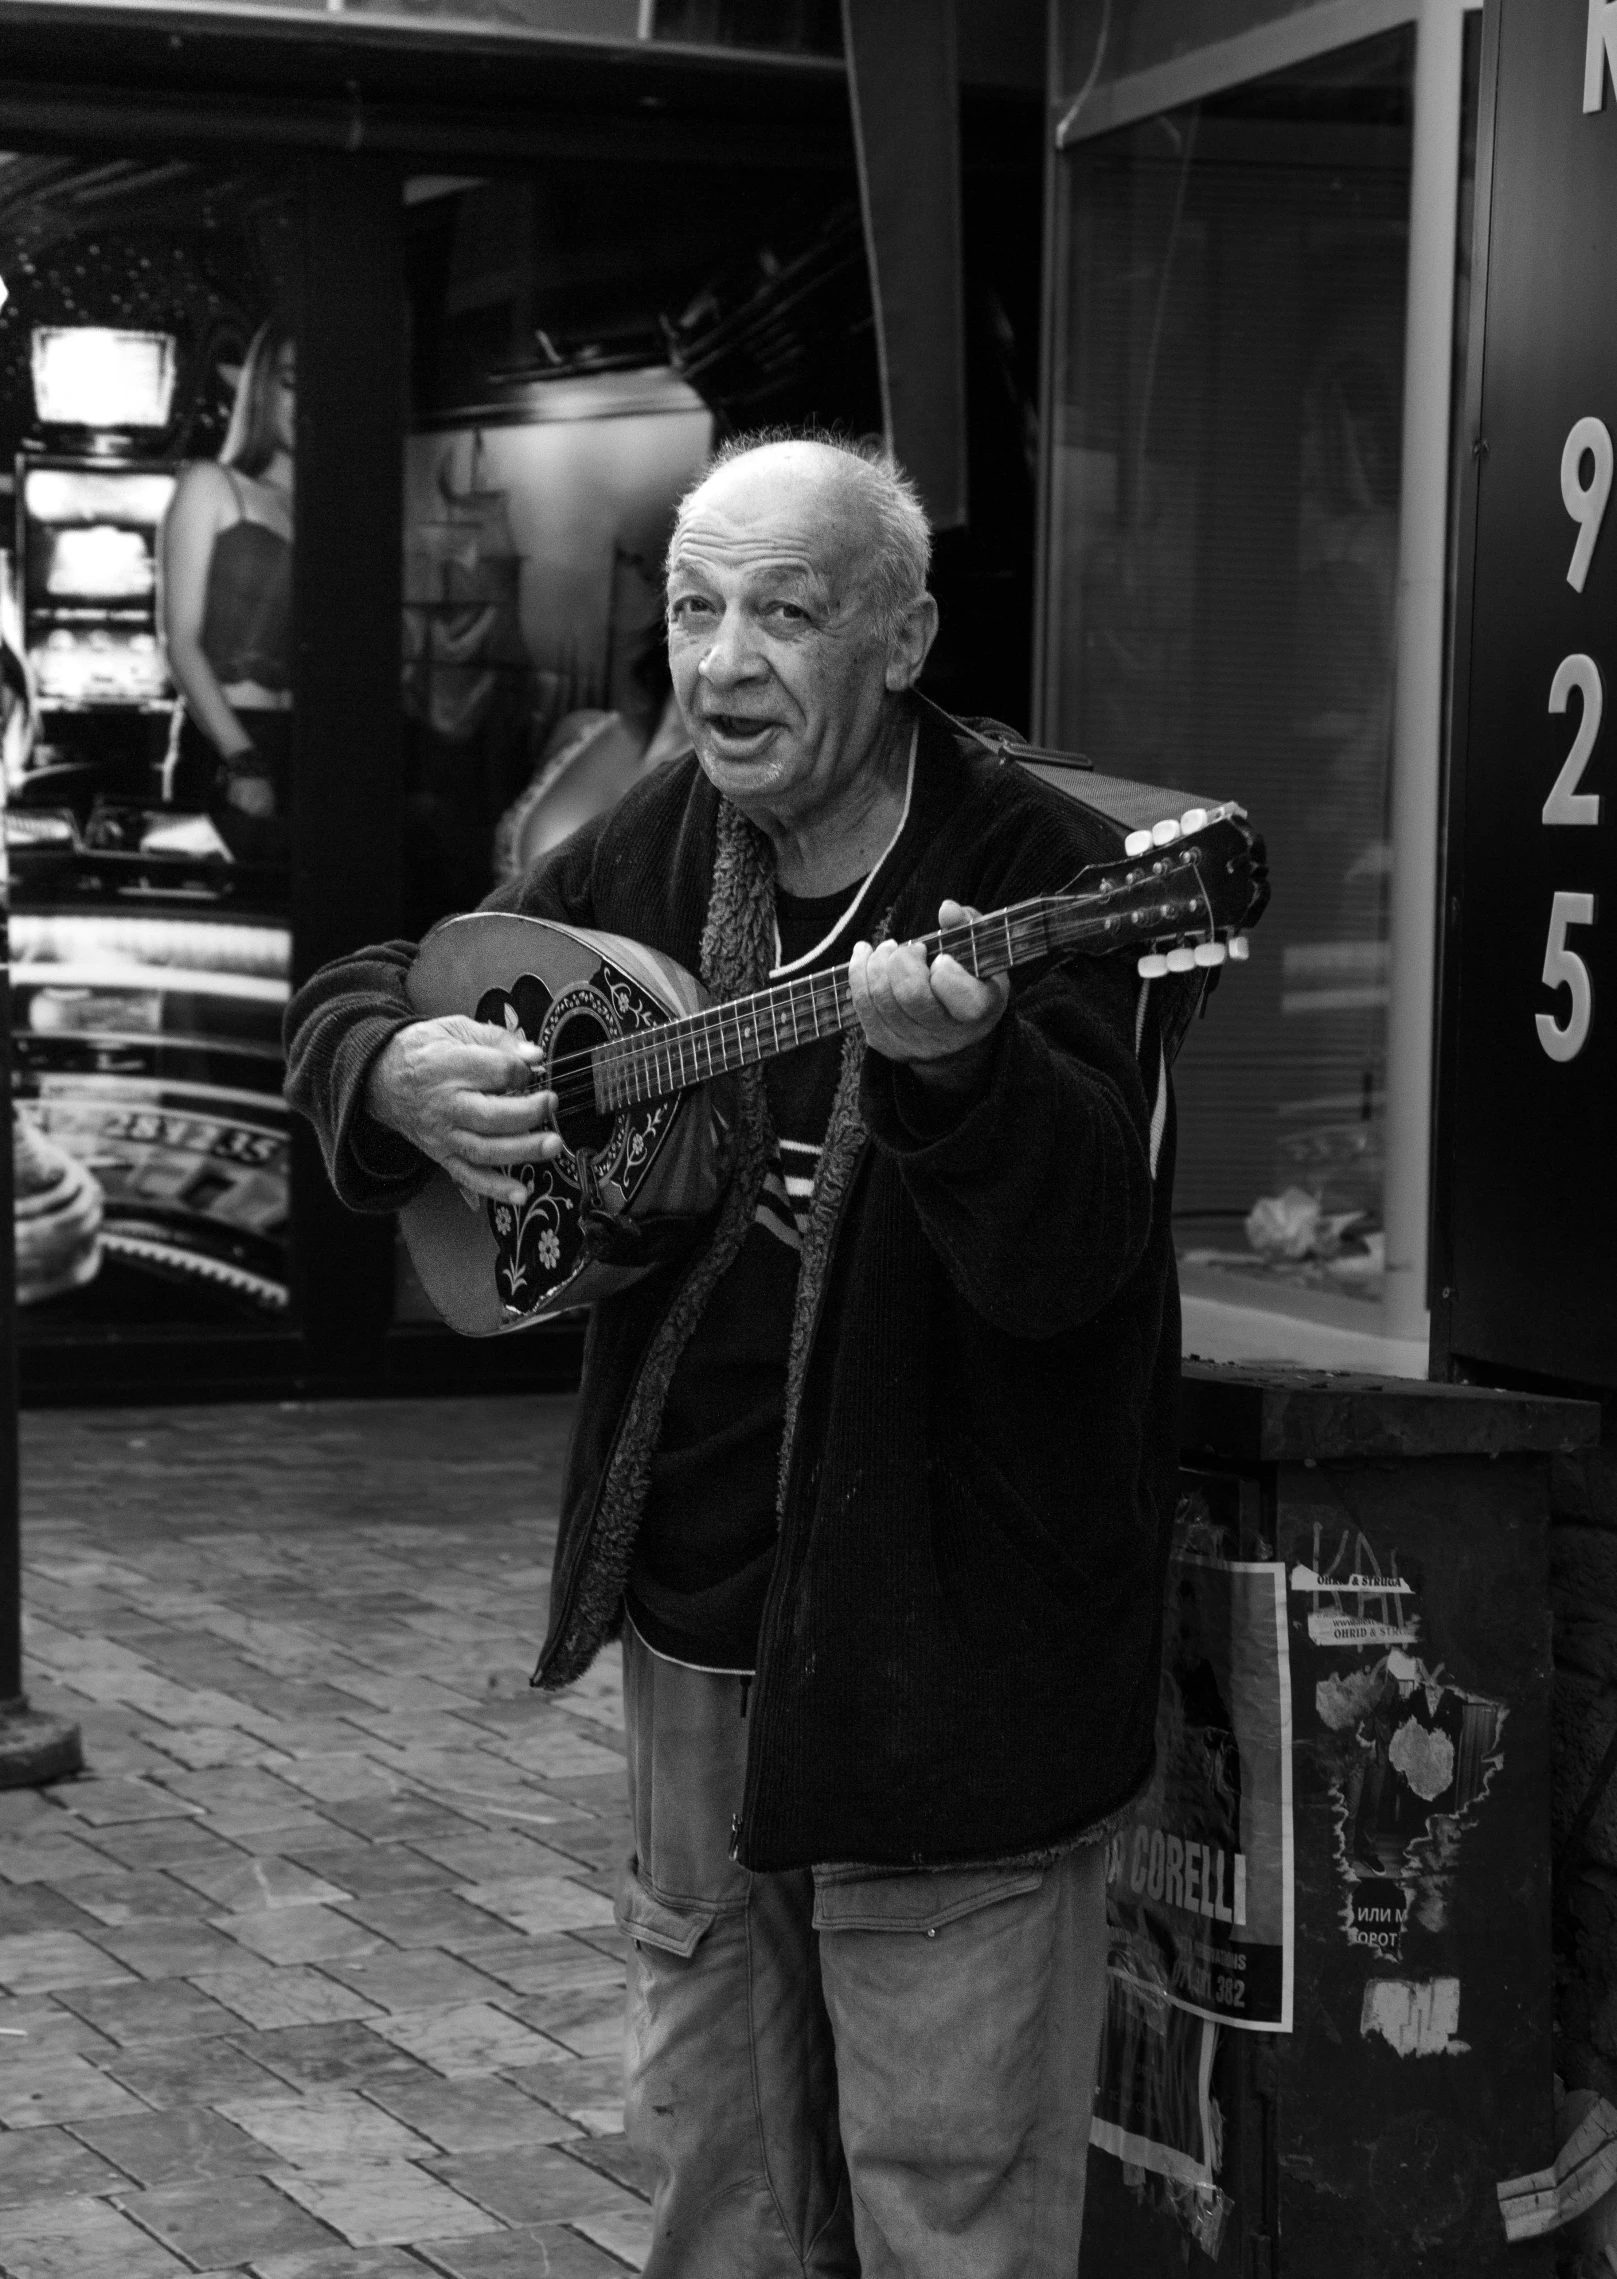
[[59, 495], [91, 376], [102, 563]]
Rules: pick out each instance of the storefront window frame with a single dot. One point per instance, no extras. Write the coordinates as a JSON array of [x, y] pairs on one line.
[[1262, 1326], [252, 87]]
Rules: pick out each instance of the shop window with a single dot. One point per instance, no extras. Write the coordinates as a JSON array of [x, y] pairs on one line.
[[1225, 467], [147, 386], [578, 343]]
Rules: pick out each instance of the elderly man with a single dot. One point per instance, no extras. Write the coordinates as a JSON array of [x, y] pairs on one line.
[[877, 1483]]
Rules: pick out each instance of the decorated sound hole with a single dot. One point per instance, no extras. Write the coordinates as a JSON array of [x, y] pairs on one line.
[[581, 1123]]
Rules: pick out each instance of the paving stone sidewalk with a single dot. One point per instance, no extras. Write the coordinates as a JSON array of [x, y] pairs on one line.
[[313, 1975]]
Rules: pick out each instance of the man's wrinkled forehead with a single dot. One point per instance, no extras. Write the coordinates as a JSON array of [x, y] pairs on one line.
[[781, 520]]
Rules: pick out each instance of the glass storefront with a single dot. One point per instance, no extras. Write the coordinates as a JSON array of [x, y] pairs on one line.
[[570, 372], [341, 455], [147, 426], [1221, 590], [510, 373]]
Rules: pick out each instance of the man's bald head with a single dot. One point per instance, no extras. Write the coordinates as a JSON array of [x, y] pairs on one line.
[[852, 509]]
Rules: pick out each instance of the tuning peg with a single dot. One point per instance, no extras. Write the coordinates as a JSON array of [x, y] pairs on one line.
[[1210, 953], [1181, 960], [1137, 843], [1163, 834], [1194, 819], [1152, 966], [1240, 948]]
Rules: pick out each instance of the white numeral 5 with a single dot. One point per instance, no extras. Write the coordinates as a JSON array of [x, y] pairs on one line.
[[1566, 803], [1564, 969], [1587, 507]]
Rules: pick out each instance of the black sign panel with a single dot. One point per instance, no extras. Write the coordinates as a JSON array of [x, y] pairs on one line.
[[1526, 1258]]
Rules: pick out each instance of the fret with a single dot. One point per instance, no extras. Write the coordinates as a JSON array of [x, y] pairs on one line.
[[671, 1057]]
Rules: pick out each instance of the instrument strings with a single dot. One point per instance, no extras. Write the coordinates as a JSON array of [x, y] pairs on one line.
[[986, 944]]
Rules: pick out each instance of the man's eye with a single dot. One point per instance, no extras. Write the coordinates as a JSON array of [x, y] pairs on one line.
[[690, 605], [791, 611]]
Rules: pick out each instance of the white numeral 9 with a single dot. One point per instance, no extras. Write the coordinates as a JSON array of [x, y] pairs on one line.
[[1564, 969], [1586, 507], [1566, 803]]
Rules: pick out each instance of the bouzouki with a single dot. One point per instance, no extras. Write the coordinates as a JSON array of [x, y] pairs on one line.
[[632, 1046]]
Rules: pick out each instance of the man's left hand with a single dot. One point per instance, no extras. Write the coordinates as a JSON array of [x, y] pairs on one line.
[[936, 1018]]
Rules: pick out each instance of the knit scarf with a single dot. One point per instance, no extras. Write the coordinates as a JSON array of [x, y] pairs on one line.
[[738, 946]]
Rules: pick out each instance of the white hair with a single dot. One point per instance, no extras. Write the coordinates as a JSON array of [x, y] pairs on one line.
[[896, 573]]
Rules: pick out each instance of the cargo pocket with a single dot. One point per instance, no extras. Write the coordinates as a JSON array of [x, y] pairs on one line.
[[922, 1902], [677, 1926]]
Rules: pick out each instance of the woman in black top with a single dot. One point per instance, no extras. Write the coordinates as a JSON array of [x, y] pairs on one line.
[[227, 607]]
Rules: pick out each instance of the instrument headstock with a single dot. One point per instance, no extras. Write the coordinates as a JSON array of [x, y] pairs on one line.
[[1189, 888]]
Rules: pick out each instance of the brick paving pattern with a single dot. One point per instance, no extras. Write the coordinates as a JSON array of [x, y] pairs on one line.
[[313, 1975]]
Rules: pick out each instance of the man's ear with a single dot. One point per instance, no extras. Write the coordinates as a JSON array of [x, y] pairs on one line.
[[911, 642]]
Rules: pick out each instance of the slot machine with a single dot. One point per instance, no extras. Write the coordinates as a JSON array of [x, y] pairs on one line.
[[149, 969]]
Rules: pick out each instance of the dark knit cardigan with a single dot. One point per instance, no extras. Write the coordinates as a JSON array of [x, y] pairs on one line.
[[960, 1649]]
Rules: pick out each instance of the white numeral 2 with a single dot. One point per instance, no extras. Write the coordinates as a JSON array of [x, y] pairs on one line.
[[1564, 969], [1586, 507], [1566, 803]]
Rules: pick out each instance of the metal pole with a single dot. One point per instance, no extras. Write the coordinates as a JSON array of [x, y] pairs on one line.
[[10, 1478], [33, 1747], [1418, 714]]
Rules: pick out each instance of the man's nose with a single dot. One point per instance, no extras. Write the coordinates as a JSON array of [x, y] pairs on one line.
[[730, 657]]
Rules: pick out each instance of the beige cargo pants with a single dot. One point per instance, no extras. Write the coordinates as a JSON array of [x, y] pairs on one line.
[[845, 2071]]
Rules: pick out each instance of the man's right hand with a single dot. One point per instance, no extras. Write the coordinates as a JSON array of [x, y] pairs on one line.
[[462, 1092]]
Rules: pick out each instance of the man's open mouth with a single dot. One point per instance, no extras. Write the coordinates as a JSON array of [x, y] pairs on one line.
[[737, 731]]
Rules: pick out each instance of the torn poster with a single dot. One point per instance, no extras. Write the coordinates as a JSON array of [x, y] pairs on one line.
[[1409, 1755], [1153, 2101], [1199, 1877], [1414, 2017], [1585, 2172]]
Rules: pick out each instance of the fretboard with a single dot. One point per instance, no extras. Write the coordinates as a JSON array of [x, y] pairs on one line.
[[655, 1063]]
